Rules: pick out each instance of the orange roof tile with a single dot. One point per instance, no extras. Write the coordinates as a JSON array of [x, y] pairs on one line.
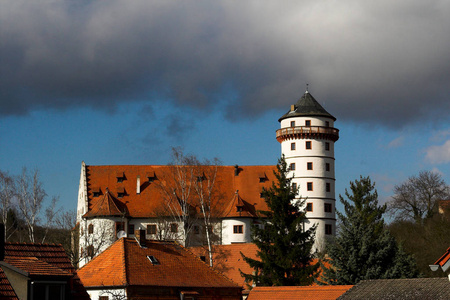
[[150, 199], [228, 259], [107, 206], [126, 263], [444, 258], [298, 292]]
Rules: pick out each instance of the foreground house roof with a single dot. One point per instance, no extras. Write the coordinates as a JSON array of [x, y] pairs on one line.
[[158, 264], [298, 292], [135, 190], [39, 261], [416, 288], [444, 261]]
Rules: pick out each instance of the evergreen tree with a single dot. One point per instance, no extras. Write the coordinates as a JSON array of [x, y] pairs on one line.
[[284, 246], [364, 248]]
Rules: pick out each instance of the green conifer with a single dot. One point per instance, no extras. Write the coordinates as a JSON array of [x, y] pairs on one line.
[[364, 248], [285, 248]]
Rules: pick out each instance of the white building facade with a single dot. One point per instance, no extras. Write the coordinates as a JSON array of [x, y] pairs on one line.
[[307, 136]]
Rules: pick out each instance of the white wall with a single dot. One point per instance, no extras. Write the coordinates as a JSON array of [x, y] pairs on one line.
[[228, 235]]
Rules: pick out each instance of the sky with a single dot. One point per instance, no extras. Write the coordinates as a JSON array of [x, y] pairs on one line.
[[122, 82]]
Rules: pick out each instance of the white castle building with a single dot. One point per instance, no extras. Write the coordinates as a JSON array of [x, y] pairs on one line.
[[116, 200]]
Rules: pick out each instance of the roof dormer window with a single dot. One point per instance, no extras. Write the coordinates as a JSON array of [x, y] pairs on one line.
[[262, 177], [153, 260], [151, 176], [120, 176], [121, 192], [96, 191]]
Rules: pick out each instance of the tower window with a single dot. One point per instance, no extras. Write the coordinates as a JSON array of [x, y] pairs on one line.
[[238, 229], [308, 123], [309, 165], [292, 146], [292, 167], [327, 146], [327, 124], [309, 206], [327, 167], [327, 207], [309, 186], [292, 123], [328, 229], [91, 229], [328, 187], [308, 145]]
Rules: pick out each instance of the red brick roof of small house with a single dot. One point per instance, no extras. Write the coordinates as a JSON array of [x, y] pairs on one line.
[[298, 292], [126, 263], [443, 259], [39, 260], [150, 200]]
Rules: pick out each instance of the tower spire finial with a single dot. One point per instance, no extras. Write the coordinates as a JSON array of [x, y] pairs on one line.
[[307, 85]]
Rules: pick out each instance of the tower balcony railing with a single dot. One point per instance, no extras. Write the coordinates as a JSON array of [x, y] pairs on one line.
[[308, 132]]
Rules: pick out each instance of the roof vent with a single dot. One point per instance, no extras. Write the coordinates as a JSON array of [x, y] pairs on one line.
[[153, 260]]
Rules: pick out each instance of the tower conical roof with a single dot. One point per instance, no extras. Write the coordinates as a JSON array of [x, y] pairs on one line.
[[307, 106]]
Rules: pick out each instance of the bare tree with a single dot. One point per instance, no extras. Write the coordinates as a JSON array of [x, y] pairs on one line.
[[7, 190], [30, 198], [177, 190], [97, 235], [417, 198], [205, 188]]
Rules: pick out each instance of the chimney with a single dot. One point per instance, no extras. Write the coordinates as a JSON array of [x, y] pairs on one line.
[[138, 185], [236, 170], [2, 241], [140, 237], [292, 107]]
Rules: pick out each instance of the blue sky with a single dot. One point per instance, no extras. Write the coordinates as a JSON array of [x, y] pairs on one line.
[[109, 82]]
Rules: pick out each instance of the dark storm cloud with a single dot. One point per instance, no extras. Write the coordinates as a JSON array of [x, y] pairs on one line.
[[366, 62]]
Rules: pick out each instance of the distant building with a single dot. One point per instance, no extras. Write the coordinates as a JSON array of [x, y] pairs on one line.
[[137, 268], [114, 201], [330, 292]]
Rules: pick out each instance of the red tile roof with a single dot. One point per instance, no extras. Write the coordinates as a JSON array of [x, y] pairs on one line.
[[150, 199], [126, 263], [42, 260], [35, 267], [444, 258], [298, 292]]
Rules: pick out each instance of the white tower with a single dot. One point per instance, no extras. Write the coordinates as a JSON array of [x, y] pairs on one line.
[[307, 137]]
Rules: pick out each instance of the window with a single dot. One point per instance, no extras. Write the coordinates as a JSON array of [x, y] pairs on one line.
[[294, 186], [328, 187], [261, 195], [120, 226], [309, 206], [327, 167], [173, 227], [151, 229], [91, 229], [328, 229], [238, 208], [292, 146], [328, 207], [309, 186], [103, 298], [203, 258], [153, 259], [308, 123], [121, 192], [292, 123], [238, 228], [90, 251], [96, 192], [308, 145], [327, 146], [130, 228], [292, 167], [196, 229], [47, 291], [327, 124], [309, 166]]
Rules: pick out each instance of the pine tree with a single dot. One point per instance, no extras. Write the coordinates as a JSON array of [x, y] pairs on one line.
[[364, 248], [284, 245]]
